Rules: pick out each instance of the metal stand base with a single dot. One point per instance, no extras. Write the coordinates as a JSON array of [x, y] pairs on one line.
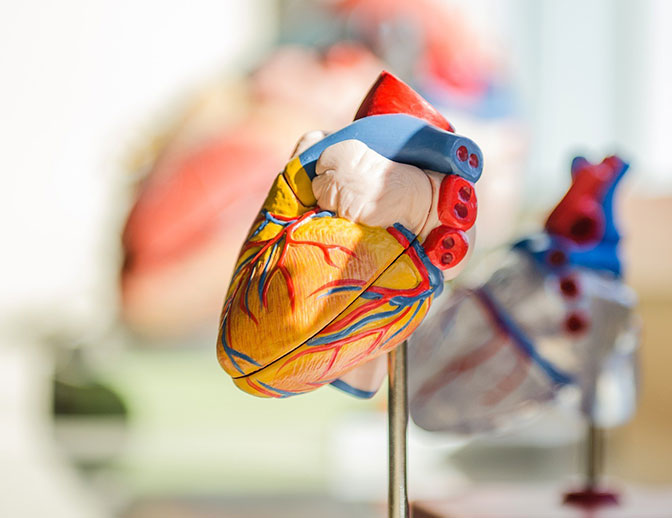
[[592, 495]]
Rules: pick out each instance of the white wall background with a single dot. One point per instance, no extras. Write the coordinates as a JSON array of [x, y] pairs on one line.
[[593, 76], [77, 79]]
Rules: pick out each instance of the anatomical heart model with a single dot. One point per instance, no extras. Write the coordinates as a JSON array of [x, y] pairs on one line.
[[350, 247], [555, 313]]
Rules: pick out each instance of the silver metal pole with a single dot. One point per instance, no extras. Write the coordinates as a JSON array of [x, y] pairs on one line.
[[397, 398], [594, 458]]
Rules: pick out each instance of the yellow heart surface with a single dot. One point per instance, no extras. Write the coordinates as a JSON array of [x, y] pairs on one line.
[[314, 295]]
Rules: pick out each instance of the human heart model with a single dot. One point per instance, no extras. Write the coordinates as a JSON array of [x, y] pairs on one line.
[[554, 314], [351, 246]]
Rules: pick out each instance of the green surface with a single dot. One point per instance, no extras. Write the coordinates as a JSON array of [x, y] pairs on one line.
[[191, 431]]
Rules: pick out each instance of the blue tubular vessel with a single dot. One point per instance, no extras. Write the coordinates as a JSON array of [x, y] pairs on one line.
[[409, 140]]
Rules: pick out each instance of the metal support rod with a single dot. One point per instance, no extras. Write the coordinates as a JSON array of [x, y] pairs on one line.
[[594, 449], [397, 500]]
